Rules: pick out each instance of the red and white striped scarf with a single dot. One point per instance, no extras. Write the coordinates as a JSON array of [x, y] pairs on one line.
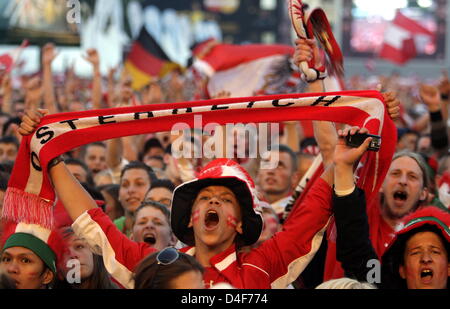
[[30, 195]]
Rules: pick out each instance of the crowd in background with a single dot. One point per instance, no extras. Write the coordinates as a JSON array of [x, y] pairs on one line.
[[132, 179]]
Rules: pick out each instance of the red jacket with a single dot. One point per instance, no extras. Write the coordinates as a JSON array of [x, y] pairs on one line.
[[275, 264]]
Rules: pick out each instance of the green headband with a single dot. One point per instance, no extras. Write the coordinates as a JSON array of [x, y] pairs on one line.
[[36, 245], [428, 219]]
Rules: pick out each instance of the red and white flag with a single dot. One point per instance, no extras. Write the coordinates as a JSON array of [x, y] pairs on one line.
[[9, 59], [400, 38], [245, 70]]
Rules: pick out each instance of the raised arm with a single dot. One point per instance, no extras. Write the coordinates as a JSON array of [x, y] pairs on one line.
[[353, 246], [74, 197], [112, 96], [6, 91], [324, 131], [48, 55], [120, 254], [432, 98], [33, 93], [94, 59]]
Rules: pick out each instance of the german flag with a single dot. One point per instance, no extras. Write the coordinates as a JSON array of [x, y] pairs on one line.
[[146, 60]]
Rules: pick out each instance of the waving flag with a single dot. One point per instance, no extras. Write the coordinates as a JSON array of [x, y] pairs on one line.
[[8, 60], [400, 37], [146, 60], [246, 70]]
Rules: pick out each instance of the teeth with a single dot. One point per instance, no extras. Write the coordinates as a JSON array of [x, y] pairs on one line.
[[400, 195], [426, 272], [211, 218]]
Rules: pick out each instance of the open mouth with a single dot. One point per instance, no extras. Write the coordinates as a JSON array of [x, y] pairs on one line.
[[400, 195], [211, 219], [150, 239], [426, 274]]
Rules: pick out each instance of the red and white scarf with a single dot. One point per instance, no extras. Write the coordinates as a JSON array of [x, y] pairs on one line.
[[30, 195]]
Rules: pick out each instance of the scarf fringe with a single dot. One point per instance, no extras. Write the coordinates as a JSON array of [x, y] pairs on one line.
[[21, 206]]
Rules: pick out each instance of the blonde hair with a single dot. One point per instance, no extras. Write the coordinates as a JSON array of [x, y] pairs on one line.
[[345, 283]]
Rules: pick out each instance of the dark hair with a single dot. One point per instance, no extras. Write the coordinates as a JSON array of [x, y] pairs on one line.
[[7, 166], [163, 208], [139, 165], [113, 191], [73, 161], [163, 183], [9, 139], [101, 144], [4, 178], [308, 141], [15, 120], [94, 193], [151, 275], [100, 279], [149, 144], [290, 152], [85, 148], [168, 149], [403, 131]]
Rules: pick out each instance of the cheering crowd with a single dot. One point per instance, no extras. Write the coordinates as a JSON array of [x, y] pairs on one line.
[[131, 214]]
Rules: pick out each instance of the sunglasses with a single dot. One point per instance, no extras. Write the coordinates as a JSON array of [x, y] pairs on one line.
[[167, 256], [164, 257]]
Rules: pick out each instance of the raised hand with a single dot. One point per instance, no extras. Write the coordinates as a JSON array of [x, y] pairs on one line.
[[222, 95], [92, 57], [33, 92], [431, 97], [306, 50], [126, 92], [6, 82], [31, 120], [345, 155], [393, 104], [48, 54]]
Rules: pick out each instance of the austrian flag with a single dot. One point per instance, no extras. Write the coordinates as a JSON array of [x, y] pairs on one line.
[[246, 70], [400, 39]]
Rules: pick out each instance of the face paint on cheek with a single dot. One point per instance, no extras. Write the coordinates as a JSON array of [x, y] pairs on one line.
[[195, 216], [31, 276], [231, 221]]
